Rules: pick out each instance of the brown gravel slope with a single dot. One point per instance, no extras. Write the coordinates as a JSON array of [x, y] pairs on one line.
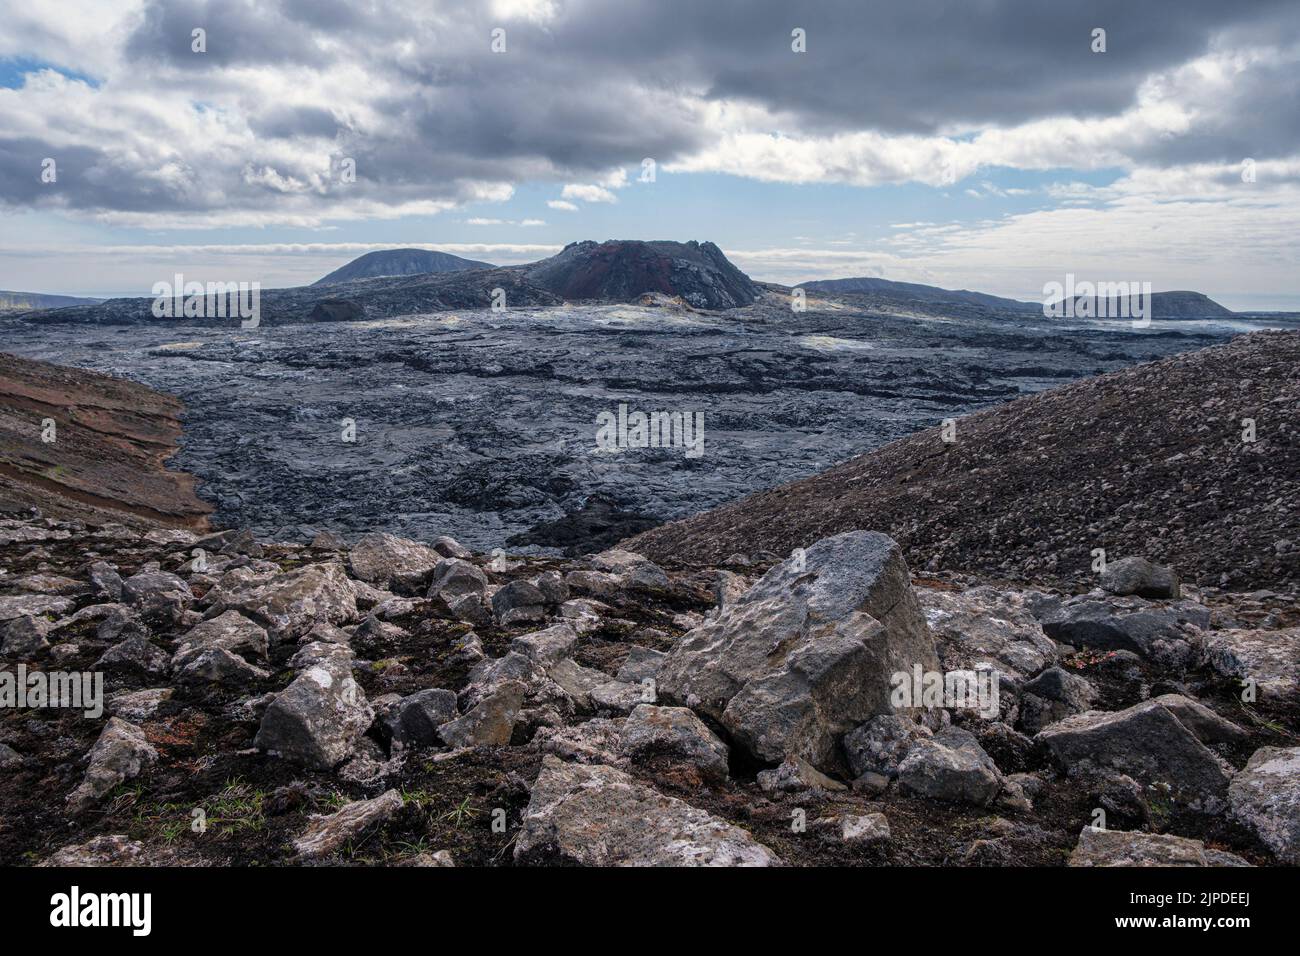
[[111, 439], [1148, 460]]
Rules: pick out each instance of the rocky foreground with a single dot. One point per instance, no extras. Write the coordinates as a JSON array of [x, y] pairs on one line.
[[399, 702]]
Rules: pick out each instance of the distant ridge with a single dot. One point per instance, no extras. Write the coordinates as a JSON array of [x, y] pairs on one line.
[[22, 301], [913, 291], [1164, 305], [400, 262]]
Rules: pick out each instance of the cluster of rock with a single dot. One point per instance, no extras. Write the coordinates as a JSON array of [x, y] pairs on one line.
[[782, 696]]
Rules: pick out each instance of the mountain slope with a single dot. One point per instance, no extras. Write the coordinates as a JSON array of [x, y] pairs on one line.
[[22, 301], [912, 291], [620, 270], [400, 262], [1147, 460]]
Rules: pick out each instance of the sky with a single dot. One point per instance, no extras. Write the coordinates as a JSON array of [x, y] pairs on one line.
[[982, 144]]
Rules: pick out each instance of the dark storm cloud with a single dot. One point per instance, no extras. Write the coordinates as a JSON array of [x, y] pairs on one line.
[[608, 83]]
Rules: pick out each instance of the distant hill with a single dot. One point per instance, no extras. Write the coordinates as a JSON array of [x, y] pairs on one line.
[[22, 301], [1148, 460], [400, 262], [620, 270], [1164, 305], [912, 291]]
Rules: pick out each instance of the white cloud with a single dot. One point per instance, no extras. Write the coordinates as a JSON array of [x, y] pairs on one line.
[[562, 205], [588, 193]]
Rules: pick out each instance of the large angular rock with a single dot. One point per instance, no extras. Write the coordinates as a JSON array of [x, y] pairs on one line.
[[317, 719], [518, 602], [490, 722], [106, 850], [105, 582], [986, 628], [640, 663], [136, 654], [157, 595], [384, 559], [675, 733], [33, 605], [325, 834], [454, 578], [119, 754], [24, 637], [1270, 658], [1166, 634], [1139, 576], [1051, 696], [231, 632], [1118, 848], [290, 604], [879, 745], [548, 646], [594, 815], [415, 721], [808, 652], [950, 766], [1147, 742], [1266, 798]]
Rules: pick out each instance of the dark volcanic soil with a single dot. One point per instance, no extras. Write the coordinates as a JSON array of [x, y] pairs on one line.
[[1148, 460]]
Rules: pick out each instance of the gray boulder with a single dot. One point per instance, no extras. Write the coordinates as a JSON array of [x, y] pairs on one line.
[[454, 578], [675, 733], [1139, 576], [316, 720], [592, 815], [1147, 742], [230, 632], [987, 628], [134, 654], [119, 754], [105, 582], [292, 603], [386, 560], [24, 637], [1265, 797], [950, 766], [640, 663], [1118, 848], [547, 646], [1051, 696], [1269, 658], [1166, 634], [808, 652], [879, 745], [416, 719], [325, 834], [490, 722], [518, 602], [157, 595]]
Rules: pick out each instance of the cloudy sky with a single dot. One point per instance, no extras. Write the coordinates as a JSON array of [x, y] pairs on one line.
[[974, 143]]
